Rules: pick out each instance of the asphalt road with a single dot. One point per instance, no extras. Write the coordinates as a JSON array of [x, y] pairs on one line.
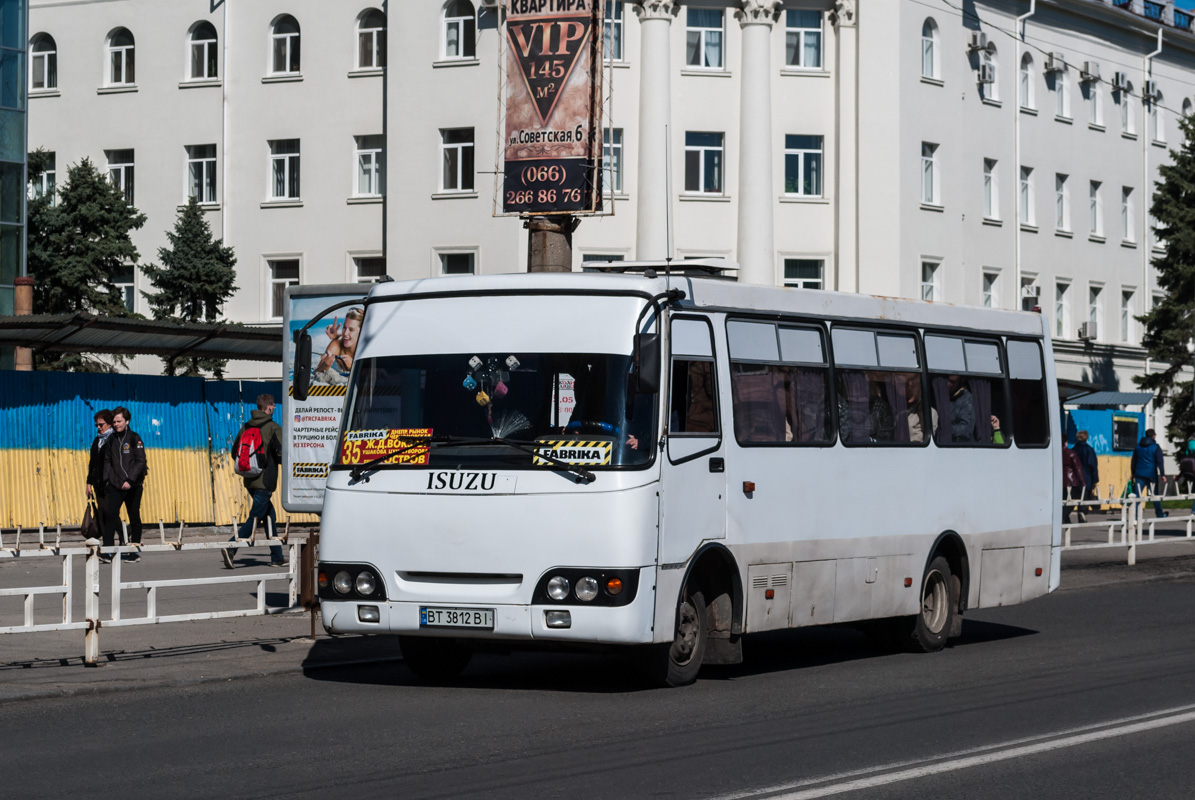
[[1088, 693]]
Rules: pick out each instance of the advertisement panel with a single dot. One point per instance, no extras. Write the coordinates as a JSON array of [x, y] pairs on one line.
[[312, 426], [551, 149]]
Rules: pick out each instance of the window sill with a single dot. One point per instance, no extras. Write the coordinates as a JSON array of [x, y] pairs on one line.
[[367, 200], [1127, 243], [932, 207], [293, 77], [704, 198], [1028, 227], [619, 64], [987, 101], [367, 72], [932, 81], [1029, 110], [456, 62], [45, 93], [816, 200], [1064, 120], [282, 203], [202, 207], [797, 72], [1132, 136], [199, 84], [1095, 237], [1095, 126], [1157, 143], [116, 89], [1159, 249], [999, 223], [700, 72], [470, 195], [1064, 233]]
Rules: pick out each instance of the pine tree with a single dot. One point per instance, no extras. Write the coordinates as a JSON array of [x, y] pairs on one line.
[[77, 242], [1170, 325], [196, 276]]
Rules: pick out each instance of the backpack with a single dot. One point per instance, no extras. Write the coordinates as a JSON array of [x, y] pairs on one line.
[[248, 454]]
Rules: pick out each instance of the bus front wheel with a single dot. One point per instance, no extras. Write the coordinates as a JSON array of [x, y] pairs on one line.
[[434, 659], [678, 663], [932, 625]]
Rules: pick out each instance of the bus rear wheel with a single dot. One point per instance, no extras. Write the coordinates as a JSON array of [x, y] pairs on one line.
[[678, 663], [928, 630], [434, 659]]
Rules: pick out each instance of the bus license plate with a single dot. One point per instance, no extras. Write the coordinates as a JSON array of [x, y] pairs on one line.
[[456, 618]]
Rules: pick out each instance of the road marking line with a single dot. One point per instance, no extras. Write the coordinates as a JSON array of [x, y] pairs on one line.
[[978, 756]]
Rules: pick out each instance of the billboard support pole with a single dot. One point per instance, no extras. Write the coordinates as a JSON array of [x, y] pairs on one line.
[[550, 243]]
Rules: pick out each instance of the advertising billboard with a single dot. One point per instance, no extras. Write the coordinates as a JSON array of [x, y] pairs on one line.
[[552, 147]]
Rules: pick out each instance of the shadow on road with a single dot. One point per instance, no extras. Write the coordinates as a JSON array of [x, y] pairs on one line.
[[113, 656]]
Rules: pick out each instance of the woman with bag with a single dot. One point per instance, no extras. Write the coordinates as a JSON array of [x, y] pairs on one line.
[[96, 497]]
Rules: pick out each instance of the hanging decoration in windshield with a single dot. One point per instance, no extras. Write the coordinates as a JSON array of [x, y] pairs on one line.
[[362, 446], [490, 380]]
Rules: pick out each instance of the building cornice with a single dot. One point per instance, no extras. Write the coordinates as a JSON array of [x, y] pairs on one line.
[[656, 9], [758, 12]]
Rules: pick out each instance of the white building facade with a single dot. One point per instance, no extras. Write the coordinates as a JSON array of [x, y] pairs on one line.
[[968, 152]]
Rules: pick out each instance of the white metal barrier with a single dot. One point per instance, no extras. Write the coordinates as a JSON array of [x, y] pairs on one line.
[[91, 550], [1131, 521]]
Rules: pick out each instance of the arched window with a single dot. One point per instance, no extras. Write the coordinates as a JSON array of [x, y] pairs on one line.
[[121, 61], [1128, 122], [929, 49], [460, 30], [1025, 87], [1157, 118], [989, 85], [284, 35], [43, 69], [371, 40], [204, 52]]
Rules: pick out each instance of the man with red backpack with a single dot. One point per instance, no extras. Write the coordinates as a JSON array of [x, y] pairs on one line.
[[256, 454]]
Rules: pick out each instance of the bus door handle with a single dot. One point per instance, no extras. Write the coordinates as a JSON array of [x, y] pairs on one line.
[[717, 465]]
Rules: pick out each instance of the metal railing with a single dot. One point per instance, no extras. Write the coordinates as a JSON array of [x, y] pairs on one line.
[[91, 551], [1130, 523]]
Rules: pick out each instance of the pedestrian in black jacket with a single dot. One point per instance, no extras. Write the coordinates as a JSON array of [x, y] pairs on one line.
[[95, 471], [124, 474]]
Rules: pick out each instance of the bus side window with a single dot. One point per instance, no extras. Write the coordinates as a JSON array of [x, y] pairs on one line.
[[966, 391], [1030, 418], [693, 406], [779, 393], [878, 388]]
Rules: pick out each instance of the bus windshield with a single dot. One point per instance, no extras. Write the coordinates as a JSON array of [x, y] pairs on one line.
[[575, 408]]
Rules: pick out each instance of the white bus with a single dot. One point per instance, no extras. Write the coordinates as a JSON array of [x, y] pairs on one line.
[[671, 462]]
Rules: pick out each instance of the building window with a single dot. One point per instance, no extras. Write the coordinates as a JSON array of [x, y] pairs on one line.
[[460, 30], [929, 49], [991, 189], [1028, 215], [1128, 124], [204, 53], [368, 269], [1126, 316], [1030, 293], [121, 60], [612, 29], [1095, 311], [600, 258], [1186, 106], [125, 280], [803, 39], [930, 179], [371, 40], [1062, 309], [1095, 102], [804, 273], [458, 263], [371, 167], [285, 38], [43, 184], [612, 159], [1127, 226], [1096, 207], [991, 293], [1062, 203], [43, 69], [1062, 98], [990, 59], [703, 162], [201, 172], [120, 171], [703, 38], [931, 280], [284, 272], [803, 166], [456, 151], [284, 169], [1157, 118], [1025, 86]]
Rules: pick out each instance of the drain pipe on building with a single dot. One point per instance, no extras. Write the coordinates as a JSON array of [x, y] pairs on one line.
[[1146, 247], [1018, 37]]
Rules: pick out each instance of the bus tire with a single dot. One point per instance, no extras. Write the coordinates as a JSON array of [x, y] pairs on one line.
[[434, 659], [678, 663], [932, 625]]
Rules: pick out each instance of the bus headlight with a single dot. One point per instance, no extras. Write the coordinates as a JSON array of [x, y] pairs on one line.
[[587, 589], [558, 588], [343, 582], [365, 584]]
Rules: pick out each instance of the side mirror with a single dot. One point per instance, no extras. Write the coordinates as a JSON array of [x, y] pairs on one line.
[[302, 365], [647, 363]]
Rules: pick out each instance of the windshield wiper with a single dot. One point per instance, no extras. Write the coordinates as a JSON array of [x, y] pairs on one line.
[[585, 475], [422, 441]]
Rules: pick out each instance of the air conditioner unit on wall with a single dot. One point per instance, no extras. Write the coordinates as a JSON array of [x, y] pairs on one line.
[[987, 73], [1120, 81], [1091, 72], [1088, 331], [1055, 63], [979, 41], [1151, 89]]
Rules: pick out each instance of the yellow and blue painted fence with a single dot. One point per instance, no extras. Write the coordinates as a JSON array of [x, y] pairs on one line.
[[187, 424]]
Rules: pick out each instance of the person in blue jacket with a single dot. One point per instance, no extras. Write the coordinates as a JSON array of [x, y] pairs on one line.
[[1091, 468], [1147, 468]]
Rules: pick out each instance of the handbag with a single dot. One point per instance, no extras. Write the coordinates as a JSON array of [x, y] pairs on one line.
[[89, 528]]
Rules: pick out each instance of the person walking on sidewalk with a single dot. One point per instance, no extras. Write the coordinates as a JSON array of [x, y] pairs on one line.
[[95, 472], [1147, 469], [1091, 469], [260, 443], [125, 468]]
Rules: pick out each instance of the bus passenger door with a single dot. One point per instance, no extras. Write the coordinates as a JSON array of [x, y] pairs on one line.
[[693, 479]]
